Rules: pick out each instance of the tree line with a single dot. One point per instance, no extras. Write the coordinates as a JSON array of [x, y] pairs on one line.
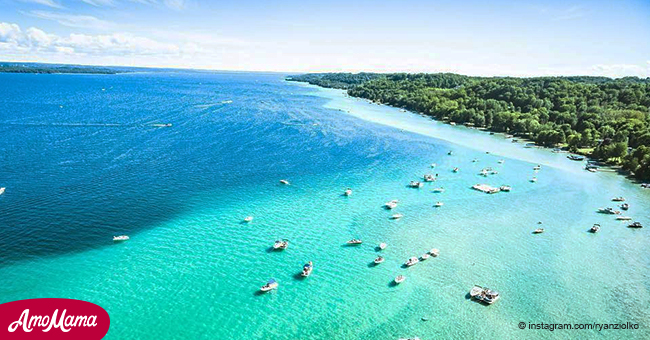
[[604, 118]]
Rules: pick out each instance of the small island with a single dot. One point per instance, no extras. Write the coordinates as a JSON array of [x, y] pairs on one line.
[[6, 67], [603, 118]]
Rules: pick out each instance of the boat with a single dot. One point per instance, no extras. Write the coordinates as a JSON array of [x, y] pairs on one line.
[[441, 189], [438, 204], [347, 192], [505, 188], [484, 294], [623, 218], [501, 161], [575, 157], [591, 169], [618, 199], [595, 228], [645, 185], [625, 206], [635, 225], [474, 160], [483, 173], [390, 205], [434, 252], [429, 178], [433, 165], [455, 170], [355, 241], [399, 279], [533, 180], [537, 167], [120, 238], [307, 269], [248, 219], [382, 246], [284, 181], [2, 190], [450, 153], [416, 338], [396, 216], [424, 256], [538, 231], [379, 260], [412, 261], [280, 244], [270, 285], [415, 184], [608, 211]]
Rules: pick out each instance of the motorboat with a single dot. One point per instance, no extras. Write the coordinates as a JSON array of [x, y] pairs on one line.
[[623, 218], [450, 153], [270, 285], [434, 252], [248, 219], [635, 225], [538, 231], [595, 228], [382, 246], [474, 160], [533, 180], [429, 178], [391, 205], [575, 157], [307, 269], [379, 260], [484, 294], [441, 189], [618, 199], [412, 261], [501, 161], [399, 279], [625, 206], [347, 192], [2, 190], [591, 169], [438, 204], [455, 169], [608, 211], [120, 238], [483, 173], [396, 216], [505, 188], [433, 165], [280, 244], [355, 241], [415, 184], [537, 167], [284, 181], [425, 257]]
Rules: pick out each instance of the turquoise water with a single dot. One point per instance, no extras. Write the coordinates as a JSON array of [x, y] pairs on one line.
[[82, 164]]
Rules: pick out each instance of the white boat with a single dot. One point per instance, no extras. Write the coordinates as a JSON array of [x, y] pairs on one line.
[[396, 216], [537, 167], [456, 170], [441, 189], [439, 204], [433, 165], [434, 252], [474, 160], [2, 190], [348, 192], [624, 218], [379, 260], [608, 211], [284, 181], [391, 205], [280, 244], [484, 294], [533, 180], [120, 238], [424, 256], [501, 161], [400, 278], [412, 261], [429, 178], [307, 269], [355, 241], [595, 228], [538, 231], [382, 246], [505, 188], [618, 199], [248, 219], [272, 284], [415, 184]]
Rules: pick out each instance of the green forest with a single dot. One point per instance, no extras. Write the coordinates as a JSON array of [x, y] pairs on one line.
[[603, 118]]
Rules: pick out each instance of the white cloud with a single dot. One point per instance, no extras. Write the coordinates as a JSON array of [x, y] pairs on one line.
[[99, 3], [623, 70], [77, 21], [48, 3], [571, 13]]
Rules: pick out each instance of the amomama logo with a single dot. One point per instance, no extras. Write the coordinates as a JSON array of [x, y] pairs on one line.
[[53, 319]]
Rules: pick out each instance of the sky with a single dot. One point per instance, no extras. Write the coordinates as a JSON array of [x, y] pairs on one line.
[[489, 38]]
